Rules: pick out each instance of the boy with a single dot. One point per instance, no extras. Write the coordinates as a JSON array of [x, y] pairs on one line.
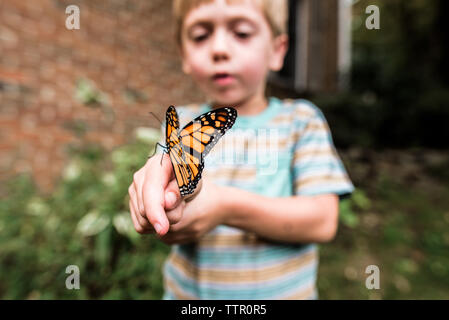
[[248, 232]]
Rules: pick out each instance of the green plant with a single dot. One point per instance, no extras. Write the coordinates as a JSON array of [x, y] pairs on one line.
[[84, 222], [357, 201]]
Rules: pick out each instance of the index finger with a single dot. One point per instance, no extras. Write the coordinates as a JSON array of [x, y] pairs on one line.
[[153, 195]]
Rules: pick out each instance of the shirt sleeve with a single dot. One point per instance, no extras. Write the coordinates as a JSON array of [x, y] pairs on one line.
[[317, 168]]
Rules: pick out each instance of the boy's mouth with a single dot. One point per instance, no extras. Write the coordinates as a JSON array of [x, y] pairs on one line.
[[222, 78]]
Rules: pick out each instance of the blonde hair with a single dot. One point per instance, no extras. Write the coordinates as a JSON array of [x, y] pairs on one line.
[[275, 11]]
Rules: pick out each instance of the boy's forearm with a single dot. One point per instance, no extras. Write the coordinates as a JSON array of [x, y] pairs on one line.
[[298, 219]]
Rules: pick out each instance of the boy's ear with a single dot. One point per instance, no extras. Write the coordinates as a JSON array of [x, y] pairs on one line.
[[280, 47]]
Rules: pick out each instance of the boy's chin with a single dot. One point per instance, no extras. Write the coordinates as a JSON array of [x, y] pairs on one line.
[[225, 100]]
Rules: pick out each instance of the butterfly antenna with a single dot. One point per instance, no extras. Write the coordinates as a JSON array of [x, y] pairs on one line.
[[152, 113], [155, 147]]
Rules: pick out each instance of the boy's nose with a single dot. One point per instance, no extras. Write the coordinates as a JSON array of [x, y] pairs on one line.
[[220, 49], [218, 56]]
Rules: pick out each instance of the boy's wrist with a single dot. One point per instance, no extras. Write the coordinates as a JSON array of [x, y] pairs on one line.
[[223, 203], [228, 203]]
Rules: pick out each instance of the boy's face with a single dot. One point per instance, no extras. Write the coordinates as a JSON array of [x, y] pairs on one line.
[[228, 49]]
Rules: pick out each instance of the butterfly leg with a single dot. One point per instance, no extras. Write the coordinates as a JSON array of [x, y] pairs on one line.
[[155, 148], [162, 155], [165, 150]]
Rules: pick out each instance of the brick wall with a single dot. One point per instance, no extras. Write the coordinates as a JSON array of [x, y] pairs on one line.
[[125, 47]]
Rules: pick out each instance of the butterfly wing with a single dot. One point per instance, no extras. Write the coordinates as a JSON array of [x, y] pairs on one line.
[[188, 149], [182, 173], [199, 136], [172, 126]]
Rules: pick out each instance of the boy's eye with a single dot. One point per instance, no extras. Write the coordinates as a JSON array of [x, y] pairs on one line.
[[242, 35], [199, 38], [243, 30], [198, 33]]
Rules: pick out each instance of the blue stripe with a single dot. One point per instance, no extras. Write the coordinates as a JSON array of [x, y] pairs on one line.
[[325, 166], [240, 257], [168, 295], [340, 189], [321, 137]]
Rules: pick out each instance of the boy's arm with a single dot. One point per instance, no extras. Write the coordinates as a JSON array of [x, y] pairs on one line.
[[291, 219], [319, 178]]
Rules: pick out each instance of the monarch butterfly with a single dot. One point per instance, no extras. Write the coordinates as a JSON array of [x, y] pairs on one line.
[[188, 147]]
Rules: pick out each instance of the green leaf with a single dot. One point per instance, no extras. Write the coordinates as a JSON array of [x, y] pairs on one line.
[[123, 224], [93, 223], [347, 216], [360, 199], [37, 207], [88, 94]]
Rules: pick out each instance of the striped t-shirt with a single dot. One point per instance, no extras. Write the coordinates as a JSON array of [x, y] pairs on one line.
[[285, 150]]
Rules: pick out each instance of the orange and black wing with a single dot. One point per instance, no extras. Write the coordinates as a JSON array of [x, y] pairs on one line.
[[188, 148], [199, 136], [182, 172], [172, 126]]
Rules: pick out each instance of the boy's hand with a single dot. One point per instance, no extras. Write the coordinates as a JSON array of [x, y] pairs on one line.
[[200, 215], [155, 201]]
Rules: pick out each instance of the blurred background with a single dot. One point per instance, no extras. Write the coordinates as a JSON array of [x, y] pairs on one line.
[[75, 126]]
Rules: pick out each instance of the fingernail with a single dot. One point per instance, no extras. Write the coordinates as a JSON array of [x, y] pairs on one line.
[[157, 227], [171, 199]]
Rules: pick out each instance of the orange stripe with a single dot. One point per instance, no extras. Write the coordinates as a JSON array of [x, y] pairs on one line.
[[302, 295], [177, 291], [316, 153], [302, 183], [244, 238]]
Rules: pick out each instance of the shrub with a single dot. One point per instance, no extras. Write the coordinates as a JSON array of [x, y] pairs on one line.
[[84, 222]]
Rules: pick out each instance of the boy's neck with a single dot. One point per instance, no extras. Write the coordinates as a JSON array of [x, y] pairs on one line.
[[250, 107]]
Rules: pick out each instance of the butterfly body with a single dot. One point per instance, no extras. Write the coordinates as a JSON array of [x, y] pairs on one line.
[[189, 146]]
